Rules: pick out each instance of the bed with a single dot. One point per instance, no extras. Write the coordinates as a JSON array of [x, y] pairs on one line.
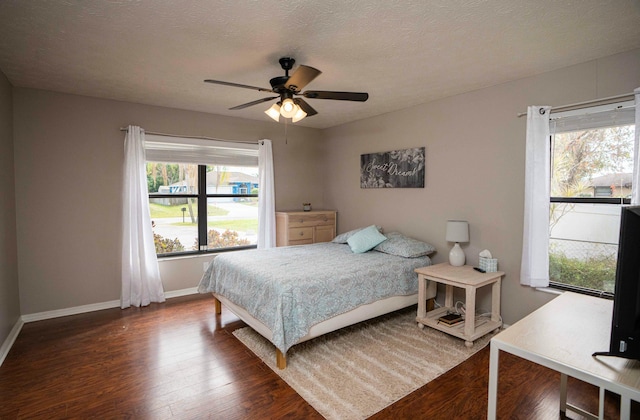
[[292, 294]]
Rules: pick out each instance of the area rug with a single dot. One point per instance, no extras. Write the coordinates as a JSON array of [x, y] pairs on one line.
[[359, 370]]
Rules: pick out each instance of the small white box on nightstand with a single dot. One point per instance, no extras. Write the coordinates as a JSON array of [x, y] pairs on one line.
[[489, 265]]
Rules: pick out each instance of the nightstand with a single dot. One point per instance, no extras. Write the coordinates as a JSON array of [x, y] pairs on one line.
[[466, 278]]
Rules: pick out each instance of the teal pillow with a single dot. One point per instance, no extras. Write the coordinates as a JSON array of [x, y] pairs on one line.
[[344, 237], [365, 239]]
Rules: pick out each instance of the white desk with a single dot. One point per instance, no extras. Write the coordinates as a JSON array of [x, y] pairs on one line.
[[562, 335]]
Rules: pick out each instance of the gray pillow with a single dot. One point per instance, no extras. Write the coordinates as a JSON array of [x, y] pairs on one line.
[[403, 246], [343, 238]]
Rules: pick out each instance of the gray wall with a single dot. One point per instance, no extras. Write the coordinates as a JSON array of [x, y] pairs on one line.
[[9, 298], [68, 166], [68, 177], [475, 150]]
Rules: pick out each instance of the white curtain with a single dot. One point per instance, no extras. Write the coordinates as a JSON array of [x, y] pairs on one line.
[[535, 247], [266, 197], [141, 283], [635, 182]]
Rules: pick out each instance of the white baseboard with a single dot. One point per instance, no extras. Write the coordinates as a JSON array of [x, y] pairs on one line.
[[181, 292], [11, 338], [40, 316]]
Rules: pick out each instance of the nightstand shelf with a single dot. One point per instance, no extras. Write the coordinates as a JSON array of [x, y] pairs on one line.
[[467, 278]]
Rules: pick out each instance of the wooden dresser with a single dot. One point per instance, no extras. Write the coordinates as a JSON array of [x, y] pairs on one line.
[[305, 227]]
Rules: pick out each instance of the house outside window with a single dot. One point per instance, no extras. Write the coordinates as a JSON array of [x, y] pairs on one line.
[[591, 171], [198, 208], [194, 201]]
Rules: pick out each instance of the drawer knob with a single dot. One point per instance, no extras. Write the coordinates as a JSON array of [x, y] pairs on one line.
[[301, 220], [325, 219], [301, 233]]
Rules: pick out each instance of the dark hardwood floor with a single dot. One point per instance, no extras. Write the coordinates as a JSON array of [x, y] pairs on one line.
[[178, 360]]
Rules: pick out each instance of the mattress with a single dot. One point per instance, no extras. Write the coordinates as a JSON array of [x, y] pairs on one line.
[[291, 289]]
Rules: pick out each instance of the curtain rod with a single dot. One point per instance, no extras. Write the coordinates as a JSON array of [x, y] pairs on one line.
[[585, 104], [195, 137]]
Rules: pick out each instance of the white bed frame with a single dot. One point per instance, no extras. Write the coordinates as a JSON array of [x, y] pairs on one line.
[[359, 314]]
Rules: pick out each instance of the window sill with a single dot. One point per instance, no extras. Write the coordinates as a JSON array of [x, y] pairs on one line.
[[186, 257], [559, 288], [209, 253], [550, 290]]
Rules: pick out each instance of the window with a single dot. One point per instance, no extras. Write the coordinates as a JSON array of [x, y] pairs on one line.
[[591, 177], [203, 194], [230, 212]]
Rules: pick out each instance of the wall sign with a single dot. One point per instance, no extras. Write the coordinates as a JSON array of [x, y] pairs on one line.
[[395, 169]]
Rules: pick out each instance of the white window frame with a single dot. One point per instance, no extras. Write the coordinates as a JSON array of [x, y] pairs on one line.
[[602, 116], [203, 152]]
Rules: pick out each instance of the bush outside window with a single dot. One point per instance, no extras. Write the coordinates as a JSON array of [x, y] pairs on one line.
[[591, 173], [202, 208]]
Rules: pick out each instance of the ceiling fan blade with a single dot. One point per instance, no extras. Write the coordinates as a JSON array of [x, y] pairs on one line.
[[219, 82], [259, 101], [305, 107], [340, 96], [301, 77]]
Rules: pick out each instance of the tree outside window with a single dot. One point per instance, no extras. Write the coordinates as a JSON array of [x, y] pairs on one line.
[[229, 218], [590, 180]]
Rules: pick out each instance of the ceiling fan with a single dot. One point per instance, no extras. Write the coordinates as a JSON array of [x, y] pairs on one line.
[[288, 87]]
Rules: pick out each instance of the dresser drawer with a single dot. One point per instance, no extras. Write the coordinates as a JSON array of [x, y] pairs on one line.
[[324, 233], [296, 234], [318, 219]]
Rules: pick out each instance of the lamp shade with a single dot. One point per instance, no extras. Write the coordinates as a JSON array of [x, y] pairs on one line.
[[300, 114], [274, 112], [457, 231], [288, 108]]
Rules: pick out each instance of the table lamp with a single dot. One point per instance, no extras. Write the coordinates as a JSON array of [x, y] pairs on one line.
[[457, 231]]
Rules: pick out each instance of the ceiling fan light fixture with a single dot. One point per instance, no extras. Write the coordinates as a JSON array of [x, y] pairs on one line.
[[286, 87], [274, 112], [300, 114], [288, 108]]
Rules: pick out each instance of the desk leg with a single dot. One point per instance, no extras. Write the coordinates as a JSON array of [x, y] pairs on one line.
[[563, 393], [493, 381], [625, 406], [564, 406]]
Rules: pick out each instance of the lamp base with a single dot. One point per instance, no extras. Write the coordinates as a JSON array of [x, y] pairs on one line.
[[456, 256]]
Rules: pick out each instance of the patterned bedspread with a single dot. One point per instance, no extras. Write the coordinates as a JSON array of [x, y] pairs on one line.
[[290, 289]]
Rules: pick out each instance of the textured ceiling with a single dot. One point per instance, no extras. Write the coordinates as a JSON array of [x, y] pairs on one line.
[[402, 52]]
